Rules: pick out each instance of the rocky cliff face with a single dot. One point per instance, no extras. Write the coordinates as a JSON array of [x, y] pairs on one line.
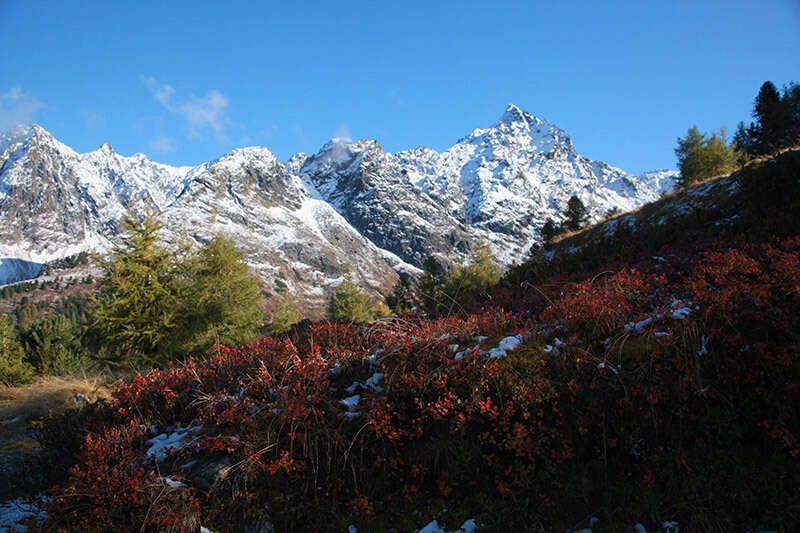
[[372, 190], [293, 240]]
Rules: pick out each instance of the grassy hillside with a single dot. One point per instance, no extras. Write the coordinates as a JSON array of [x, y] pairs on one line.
[[759, 201], [643, 371]]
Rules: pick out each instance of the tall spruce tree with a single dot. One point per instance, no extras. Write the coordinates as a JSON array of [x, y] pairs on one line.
[[136, 310], [576, 215], [221, 299], [791, 101], [770, 114]]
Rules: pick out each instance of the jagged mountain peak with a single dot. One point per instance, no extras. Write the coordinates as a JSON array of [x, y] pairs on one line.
[[516, 115], [25, 132], [296, 162], [246, 155], [338, 157], [31, 136], [344, 147], [517, 130], [106, 148]]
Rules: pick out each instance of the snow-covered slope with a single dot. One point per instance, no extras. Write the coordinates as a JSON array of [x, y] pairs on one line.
[[290, 236], [56, 202], [498, 184], [662, 181], [350, 208], [370, 188], [504, 181]]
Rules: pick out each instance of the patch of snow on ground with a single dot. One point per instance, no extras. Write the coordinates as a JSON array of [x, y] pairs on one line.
[[351, 402], [161, 445], [374, 382], [433, 527], [670, 526], [15, 511], [678, 310], [461, 354], [505, 346], [681, 310], [638, 326], [173, 483]]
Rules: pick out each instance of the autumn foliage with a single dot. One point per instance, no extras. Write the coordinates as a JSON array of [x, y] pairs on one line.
[[665, 390]]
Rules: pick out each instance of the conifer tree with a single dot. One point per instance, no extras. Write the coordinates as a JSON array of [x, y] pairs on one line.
[[701, 157], [14, 369], [743, 142], [791, 101], [285, 317], [350, 304], [430, 287], [402, 298], [549, 231], [689, 154], [718, 156], [576, 215], [136, 310], [770, 114], [466, 285], [53, 346], [221, 299]]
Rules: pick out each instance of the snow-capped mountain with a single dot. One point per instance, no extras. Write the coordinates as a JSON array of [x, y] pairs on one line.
[[350, 208], [498, 184], [371, 189], [55, 202], [662, 181], [293, 239]]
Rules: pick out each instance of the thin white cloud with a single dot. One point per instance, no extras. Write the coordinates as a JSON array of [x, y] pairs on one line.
[[162, 145], [18, 107], [161, 92], [343, 132], [207, 112], [202, 114]]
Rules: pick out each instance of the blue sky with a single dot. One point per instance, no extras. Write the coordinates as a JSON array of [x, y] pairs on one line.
[[187, 81]]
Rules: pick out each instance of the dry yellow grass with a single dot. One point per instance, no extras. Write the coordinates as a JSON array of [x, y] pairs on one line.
[[50, 394], [19, 406]]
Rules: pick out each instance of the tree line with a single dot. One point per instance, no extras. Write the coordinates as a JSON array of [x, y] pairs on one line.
[[155, 304], [776, 125]]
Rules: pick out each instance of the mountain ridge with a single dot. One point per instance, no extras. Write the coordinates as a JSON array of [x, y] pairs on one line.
[[351, 207]]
